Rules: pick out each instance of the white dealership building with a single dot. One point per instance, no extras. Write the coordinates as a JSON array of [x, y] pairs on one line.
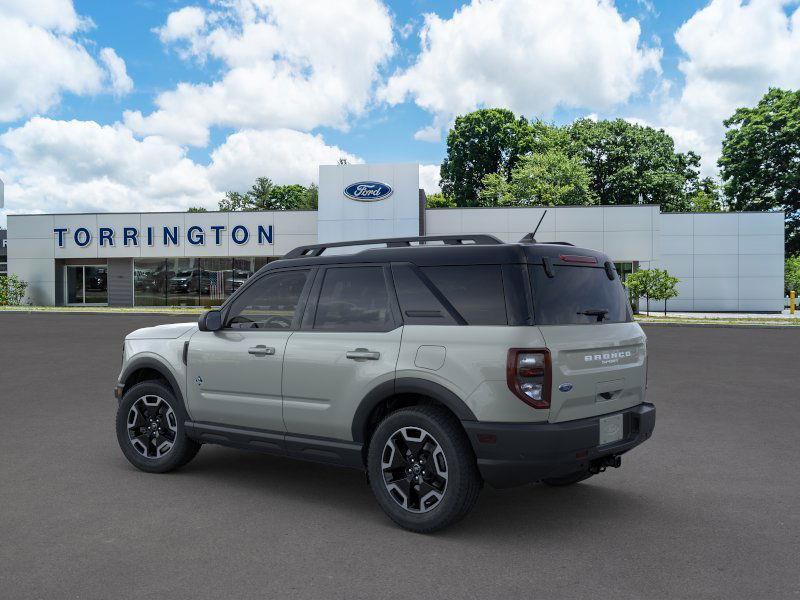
[[725, 261]]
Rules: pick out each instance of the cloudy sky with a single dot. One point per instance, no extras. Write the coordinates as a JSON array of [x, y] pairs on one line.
[[160, 105]]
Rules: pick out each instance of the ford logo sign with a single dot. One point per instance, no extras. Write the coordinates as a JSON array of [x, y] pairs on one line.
[[368, 191], [565, 387]]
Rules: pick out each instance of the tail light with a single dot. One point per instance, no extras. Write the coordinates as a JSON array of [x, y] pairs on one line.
[[529, 375]]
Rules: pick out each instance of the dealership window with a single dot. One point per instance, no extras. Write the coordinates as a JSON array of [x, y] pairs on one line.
[[87, 284], [191, 281], [150, 282]]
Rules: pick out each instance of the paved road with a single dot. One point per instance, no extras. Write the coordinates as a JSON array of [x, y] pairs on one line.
[[707, 509]]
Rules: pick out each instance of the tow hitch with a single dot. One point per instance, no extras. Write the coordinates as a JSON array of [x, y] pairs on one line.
[[601, 464]]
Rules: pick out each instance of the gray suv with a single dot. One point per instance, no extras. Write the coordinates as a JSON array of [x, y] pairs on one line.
[[434, 364]]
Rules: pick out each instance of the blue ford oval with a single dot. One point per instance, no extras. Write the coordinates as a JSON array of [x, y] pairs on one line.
[[565, 387], [368, 191]]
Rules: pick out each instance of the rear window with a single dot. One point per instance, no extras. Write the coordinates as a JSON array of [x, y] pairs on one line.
[[578, 295], [475, 291], [354, 299]]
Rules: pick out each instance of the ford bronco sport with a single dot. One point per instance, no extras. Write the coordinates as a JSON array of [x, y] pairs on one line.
[[435, 364]]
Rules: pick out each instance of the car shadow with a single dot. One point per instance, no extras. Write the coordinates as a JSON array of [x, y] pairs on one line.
[[534, 510]]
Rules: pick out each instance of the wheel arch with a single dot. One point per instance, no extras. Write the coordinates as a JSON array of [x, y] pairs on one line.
[[400, 393], [150, 369]]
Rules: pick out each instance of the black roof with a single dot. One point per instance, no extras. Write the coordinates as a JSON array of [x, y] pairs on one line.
[[487, 250]]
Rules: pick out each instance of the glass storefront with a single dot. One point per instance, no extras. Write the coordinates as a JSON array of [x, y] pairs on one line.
[[87, 284], [191, 281]]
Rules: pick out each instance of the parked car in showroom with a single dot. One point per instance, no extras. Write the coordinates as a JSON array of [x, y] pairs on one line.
[[434, 364]]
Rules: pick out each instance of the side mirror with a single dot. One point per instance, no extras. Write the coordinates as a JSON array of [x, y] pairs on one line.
[[210, 320]]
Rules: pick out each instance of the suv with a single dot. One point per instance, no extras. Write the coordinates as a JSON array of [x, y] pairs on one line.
[[434, 364]]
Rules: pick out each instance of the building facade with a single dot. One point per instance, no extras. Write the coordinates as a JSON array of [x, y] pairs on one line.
[[725, 261]]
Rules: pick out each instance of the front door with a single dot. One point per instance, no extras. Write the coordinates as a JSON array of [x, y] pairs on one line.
[[234, 374], [346, 347]]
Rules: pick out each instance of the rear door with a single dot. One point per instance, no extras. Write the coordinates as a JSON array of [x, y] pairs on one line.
[[348, 344], [598, 353]]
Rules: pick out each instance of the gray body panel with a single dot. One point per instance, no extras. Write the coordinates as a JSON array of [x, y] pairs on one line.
[[322, 388], [238, 388]]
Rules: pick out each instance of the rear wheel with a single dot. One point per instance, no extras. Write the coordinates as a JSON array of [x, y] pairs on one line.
[[150, 429], [567, 479], [422, 469]]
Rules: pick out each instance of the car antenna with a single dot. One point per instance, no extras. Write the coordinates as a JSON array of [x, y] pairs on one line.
[[531, 237]]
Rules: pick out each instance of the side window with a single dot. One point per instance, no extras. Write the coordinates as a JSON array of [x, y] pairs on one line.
[[475, 291], [418, 304], [270, 303], [353, 299]]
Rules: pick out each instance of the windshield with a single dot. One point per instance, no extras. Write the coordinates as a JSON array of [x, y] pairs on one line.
[[578, 295]]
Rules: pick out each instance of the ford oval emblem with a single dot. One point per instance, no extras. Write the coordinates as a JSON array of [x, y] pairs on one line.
[[565, 387], [368, 191]]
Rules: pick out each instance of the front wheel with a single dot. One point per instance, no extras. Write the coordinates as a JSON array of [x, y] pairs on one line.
[[422, 469], [150, 429]]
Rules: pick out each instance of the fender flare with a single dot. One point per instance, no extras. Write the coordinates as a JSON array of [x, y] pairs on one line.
[[147, 362], [407, 385]]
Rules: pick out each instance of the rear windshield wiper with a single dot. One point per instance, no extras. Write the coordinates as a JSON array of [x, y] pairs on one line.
[[600, 313]]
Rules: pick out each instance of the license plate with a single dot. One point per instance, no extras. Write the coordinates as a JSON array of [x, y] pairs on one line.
[[610, 429]]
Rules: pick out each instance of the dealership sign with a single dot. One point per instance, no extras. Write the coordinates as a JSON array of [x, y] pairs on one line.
[[368, 191], [168, 235]]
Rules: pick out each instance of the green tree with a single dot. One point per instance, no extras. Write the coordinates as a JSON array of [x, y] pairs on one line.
[[438, 200], [642, 284], [288, 197], [485, 141], [791, 278], [548, 179], [627, 161], [495, 190], [197, 209], [760, 158], [666, 287], [234, 201], [12, 290], [265, 195], [706, 196], [312, 197]]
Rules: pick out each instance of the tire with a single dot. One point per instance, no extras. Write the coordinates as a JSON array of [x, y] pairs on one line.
[[566, 480], [431, 436], [153, 401]]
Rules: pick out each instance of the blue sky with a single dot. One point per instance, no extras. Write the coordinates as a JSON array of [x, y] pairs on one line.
[[146, 105], [127, 26]]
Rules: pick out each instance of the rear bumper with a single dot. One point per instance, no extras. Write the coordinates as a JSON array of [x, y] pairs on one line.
[[527, 452]]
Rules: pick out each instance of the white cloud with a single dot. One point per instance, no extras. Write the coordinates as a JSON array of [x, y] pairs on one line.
[[81, 166], [429, 178], [286, 63], [283, 155], [58, 15], [528, 55], [41, 58], [183, 24], [734, 51], [121, 83]]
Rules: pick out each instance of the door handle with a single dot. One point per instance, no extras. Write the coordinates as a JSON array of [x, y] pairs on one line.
[[362, 354], [261, 350]]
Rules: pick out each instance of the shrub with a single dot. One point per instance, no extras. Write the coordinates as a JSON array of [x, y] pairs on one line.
[[12, 290]]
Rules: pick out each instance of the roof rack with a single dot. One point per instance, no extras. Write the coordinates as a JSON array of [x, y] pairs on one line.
[[399, 242]]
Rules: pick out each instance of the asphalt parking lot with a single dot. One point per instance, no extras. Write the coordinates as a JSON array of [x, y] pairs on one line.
[[709, 508]]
